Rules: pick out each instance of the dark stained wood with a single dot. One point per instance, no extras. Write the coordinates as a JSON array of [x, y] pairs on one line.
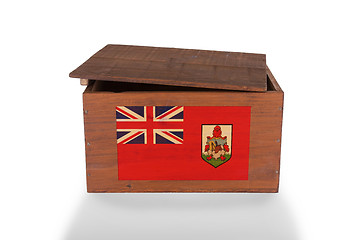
[[177, 67], [101, 147]]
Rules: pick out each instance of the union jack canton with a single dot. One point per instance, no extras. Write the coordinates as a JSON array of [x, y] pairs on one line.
[[145, 125]]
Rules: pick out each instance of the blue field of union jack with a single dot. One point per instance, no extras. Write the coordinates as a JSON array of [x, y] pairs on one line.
[[145, 125]]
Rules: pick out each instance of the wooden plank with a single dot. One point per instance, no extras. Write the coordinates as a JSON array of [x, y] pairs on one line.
[[272, 79], [101, 149], [84, 82], [176, 67]]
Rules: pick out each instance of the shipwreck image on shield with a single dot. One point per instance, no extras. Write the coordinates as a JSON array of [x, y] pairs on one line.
[[216, 143]]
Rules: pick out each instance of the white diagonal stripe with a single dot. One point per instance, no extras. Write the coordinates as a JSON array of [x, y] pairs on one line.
[[131, 132], [170, 115], [125, 109], [159, 131]]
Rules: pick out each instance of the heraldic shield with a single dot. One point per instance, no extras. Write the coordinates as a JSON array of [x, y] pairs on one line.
[[216, 143]]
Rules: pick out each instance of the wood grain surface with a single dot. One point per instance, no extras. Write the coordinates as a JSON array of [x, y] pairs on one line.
[[177, 67], [101, 148]]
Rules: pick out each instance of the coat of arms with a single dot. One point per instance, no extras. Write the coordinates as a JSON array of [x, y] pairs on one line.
[[216, 143]]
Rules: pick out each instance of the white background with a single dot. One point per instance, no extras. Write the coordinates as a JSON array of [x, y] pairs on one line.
[[313, 50]]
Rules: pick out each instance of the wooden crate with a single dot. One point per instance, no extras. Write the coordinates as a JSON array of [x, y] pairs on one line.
[[122, 76]]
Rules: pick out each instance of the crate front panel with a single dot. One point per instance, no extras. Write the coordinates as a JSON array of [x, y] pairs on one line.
[[101, 141]]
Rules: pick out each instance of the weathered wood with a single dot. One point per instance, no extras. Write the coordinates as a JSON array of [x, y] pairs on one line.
[[84, 82], [101, 148], [177, 67]]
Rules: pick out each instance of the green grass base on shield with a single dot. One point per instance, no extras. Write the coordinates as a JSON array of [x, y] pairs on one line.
[[217, 162]]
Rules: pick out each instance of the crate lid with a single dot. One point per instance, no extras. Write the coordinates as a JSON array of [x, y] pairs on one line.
[[176, 67]]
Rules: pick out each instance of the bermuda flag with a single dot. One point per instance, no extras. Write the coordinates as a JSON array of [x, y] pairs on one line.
[[183, 142]]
